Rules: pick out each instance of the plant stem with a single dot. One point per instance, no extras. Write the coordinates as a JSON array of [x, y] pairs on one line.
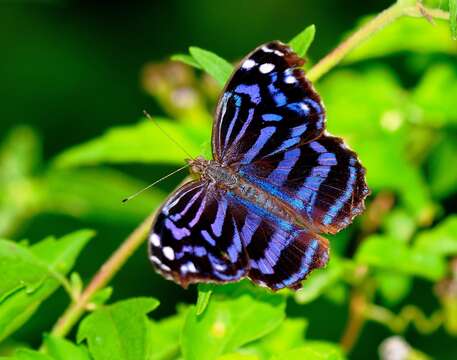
[[74, 312], [381, 20], [357, 305]]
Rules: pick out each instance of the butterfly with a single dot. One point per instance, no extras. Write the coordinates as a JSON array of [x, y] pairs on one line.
[[277, 181]]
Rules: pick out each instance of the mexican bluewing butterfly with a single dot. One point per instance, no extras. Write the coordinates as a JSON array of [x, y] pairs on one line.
[[277, 180]]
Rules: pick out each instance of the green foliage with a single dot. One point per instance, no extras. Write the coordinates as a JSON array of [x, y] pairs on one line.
[[214, 65], [387, 253], [453, 17], [423, 38], [226, 325], [29, 275], [61, 349], [401, 120], [136, 143], [26, 354], [119, 331], [301, 43], [186, 59], [313, 350]]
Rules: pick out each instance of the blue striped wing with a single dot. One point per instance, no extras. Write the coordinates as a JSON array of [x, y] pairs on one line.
[[267, 107], [196, 238], [205, 235], [270, 127], [323, 181], [280, 254]]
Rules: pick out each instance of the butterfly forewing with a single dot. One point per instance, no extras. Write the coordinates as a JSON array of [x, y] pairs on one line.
[[267, 107]]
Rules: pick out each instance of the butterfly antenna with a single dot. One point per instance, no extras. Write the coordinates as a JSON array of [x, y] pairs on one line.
[[154, 183], [166, 134]]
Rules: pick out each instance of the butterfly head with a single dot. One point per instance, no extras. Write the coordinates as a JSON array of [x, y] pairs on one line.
[[198, 165]]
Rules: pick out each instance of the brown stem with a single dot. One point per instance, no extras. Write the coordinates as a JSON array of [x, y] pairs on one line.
[[74, 312], [381, 20], [357, 305]]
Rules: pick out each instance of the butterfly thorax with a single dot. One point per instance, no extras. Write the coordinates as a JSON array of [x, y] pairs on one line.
[[214, 172]]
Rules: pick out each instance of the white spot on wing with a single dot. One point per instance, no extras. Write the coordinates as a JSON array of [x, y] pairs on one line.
[[266, 49], [155, 259], [164, 267], [188, 267], [154, 239], [191, 267], [304, 107], [290, 79], [168, 253], [248, 64], [266, 68], [220, 267]]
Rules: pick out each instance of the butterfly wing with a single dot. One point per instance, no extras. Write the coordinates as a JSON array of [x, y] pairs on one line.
[[204, 235], [195, 237], [267, 107], [281, 254], [322, 180], [270, 128]]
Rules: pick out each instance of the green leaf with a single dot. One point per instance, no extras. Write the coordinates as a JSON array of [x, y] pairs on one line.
[[316, 350], [289, 335], [164, 337], [76, 192], [400, 225], [31, 274], [393, 286], [20, 154], [405, 35], [101, 296], [141, 143], [213, 64], [119, 331], [61, 349], [76, 284], [186, 59], [204, 295], [301, 42], [391, 254], [437, 104], [380, 141], [238, 356], [441, 240], [442, 176], [453, 18], [27, 354], [229, 323], [320, 280]]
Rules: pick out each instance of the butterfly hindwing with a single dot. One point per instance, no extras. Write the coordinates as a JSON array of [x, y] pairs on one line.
[[195, 237], [267, 107], [281, 254]]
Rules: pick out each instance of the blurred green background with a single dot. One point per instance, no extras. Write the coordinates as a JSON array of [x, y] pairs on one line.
[[70, 70]]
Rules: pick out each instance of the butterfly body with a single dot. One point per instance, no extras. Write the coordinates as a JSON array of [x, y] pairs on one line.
[[225, 179], [277, 180]]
